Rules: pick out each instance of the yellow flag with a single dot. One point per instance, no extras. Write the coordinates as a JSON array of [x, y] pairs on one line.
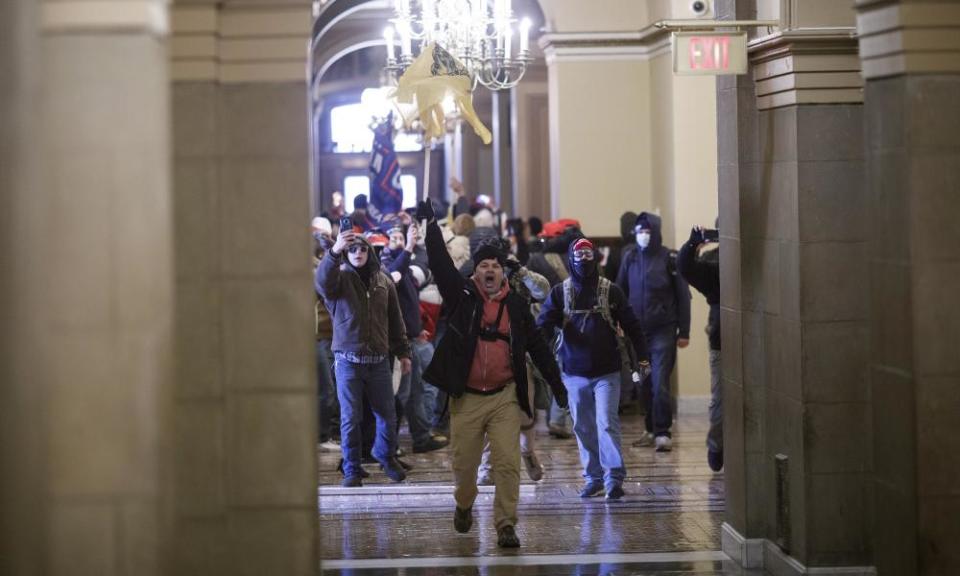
[[433, 76]]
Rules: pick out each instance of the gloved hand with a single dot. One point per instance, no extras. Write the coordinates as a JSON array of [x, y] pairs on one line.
[[696, 236], [425, 211], [512, 264]]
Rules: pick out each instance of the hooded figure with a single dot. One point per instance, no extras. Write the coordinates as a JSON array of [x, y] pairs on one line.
[[660, 299], [588, 310]]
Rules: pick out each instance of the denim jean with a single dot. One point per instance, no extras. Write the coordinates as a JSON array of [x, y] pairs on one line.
[[593, 404], [662, 344], [355, 383], [410, 396], [715, 435], [423, 351], [326, 399]]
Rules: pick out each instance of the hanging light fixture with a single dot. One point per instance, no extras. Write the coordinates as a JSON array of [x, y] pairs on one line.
[[480, 36]]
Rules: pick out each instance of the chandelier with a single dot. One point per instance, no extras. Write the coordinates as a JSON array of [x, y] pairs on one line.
[[479, 36]]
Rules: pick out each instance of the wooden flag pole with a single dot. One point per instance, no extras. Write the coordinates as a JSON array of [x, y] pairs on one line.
[[426, 168]]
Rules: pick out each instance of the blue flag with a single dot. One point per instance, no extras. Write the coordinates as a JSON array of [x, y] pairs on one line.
[[385, 191]]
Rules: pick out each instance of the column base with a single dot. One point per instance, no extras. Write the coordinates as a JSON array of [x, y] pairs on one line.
[[754, 553]]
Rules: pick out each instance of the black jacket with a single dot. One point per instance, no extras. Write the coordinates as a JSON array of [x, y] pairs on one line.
[[407, 291], [658, 294], [704, 275], [453, 358]]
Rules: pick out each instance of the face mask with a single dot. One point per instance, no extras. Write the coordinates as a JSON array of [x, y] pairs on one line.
[[643, 239], [584, 268]]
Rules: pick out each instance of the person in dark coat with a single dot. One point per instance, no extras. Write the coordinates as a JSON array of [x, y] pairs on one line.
[[588, 310], [661, 300], [481, 364], [699, 264]]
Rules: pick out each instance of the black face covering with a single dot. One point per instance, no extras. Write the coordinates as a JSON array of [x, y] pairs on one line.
[[583, 269]]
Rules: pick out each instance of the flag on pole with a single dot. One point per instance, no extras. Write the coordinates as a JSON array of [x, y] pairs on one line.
[[386, 194], [431, 78]]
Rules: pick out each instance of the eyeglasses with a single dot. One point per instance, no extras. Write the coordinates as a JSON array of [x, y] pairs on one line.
[[361, 248], [583, 254]]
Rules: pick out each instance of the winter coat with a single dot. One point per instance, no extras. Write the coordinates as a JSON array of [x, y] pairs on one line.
[[450, 367], [366, 319], [704, 275], [658, 294], [407, 292]]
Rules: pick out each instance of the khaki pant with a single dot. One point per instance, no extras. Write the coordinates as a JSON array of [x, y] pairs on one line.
[[498, 417]]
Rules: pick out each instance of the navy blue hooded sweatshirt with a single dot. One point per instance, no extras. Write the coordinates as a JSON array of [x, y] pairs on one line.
[[648, 276], [589, 345]]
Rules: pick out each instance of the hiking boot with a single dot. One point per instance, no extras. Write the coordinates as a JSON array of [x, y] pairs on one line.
[[430, 445], [352, 482], [646, 439], [615, 492], [507, 538], [363, 473], [664, 444], [394, 470], [462, 519], [592, 488], [533, 466], [715, 460]]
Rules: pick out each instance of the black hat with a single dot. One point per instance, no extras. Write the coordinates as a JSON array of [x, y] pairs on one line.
[[360, 202], [488, 251]]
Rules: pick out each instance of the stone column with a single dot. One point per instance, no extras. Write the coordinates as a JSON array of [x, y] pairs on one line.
[[21, 415], [100, 232], [246, 388], [912, 68], [794, 313]]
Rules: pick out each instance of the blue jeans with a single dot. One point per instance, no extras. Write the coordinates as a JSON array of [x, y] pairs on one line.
[[354, 383], [411, 393], [656, 387], [423, 351], [326, 401], [593, 404]]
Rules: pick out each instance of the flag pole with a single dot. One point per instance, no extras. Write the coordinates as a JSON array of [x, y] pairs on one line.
[[426, 168]]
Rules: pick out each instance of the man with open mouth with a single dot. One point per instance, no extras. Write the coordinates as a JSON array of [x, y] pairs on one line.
[[481, 364]]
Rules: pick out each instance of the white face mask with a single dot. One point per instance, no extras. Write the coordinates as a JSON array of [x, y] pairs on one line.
[[643, 239]]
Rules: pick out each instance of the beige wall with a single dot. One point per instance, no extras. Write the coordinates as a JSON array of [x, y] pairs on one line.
[[600, 132]]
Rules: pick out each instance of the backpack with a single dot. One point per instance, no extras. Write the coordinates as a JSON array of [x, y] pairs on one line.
[[602, 307]]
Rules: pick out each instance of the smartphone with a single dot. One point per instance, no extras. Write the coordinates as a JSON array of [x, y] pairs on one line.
[[711, 235], [346, 224]]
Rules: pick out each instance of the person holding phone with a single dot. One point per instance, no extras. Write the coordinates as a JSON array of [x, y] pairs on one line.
[[367, 329], [699, 264]]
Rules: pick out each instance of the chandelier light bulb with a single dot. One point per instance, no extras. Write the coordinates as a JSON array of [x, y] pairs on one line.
[[525, 25], [388, 34]]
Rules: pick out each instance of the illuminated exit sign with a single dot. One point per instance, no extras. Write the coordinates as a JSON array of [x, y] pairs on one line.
[[709, 53]]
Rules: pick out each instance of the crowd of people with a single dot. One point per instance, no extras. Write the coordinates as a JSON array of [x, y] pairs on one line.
[[470, 326]]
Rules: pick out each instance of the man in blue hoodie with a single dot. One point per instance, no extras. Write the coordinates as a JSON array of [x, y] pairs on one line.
[[588, 309], [660, 298]]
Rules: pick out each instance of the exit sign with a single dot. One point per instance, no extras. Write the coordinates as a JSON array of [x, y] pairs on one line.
[[709, 53]]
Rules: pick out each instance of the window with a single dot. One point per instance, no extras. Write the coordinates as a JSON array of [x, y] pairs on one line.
[[350, 124], [353, 186]]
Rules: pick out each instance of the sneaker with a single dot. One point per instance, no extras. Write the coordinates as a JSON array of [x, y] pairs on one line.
[[484, 479], [363, 473], [462, 519], [593, 488], [351, 482], [507, 538], [615, 493], [664, 444], [430, 445], [559, 433], [533, 466], [394, 470], [715, 460], [329, 446], [646, 439]]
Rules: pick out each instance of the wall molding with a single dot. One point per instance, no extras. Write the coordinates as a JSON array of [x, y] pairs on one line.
[[760, 553], [106, 17], [241, 44], [807, 66], [598, 46], [914, 38]]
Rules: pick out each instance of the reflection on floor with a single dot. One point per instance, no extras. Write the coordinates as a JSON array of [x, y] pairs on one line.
[[668, 523]]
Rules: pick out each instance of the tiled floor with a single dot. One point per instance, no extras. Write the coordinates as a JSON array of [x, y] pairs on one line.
[[674, 504]]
